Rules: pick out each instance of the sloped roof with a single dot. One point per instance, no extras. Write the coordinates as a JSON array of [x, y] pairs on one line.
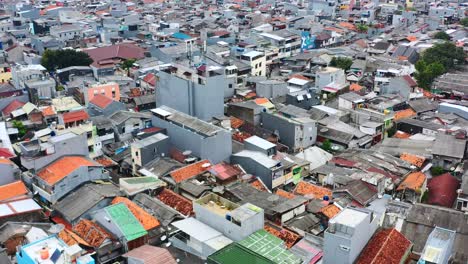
[[224, 171], [387, 246], [12, 190], [330, 210], [91, 232], [150, 78], [413, 181], [415, 160], [404, 114], [151, 255], [15, 104], [190, 171], [123, 218], [101, 101], [285, 194], [62, 167], [443, 190], [122, 51], [360, 191], [48, 111], [146, 220], [314, 191], [75, 116]]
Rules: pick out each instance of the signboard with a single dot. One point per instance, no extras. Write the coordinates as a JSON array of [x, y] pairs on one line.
[[308, 41]]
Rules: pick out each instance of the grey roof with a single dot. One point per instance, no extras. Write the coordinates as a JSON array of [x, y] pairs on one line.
[[359, 64], [145, 99], [77, 203], [260, 142], [149, 140], [4, 257], [422, 105], [162, 166], [359, 191], [190, 122], [351, 96], [449, 146], [10, 229], [420, 123], [194, 189], [422, 219], [158, 209], [304, 223], [396, 146], [122, 116], [294, 111], [101, 122], [270, 203], [335, 135]]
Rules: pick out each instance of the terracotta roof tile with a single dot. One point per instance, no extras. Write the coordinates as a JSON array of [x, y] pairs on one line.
[[330, 210], [386, 246], [120, 51], [312, 191], [178, 202], [285, 194], [12, 107], [404, 114], [299, 76], [413, 181], [225, 171], [236, 122], [91, 232], [71, 238], [415, 160], [289, 238], [62, 167], [12, 190], [401, 134], [75, 116], [411, 82], [147, 221], [101, 101], [190, 171], [355, 87], [257, 184], [261, 101], [150, 78], [5, 155], [49, 111], [151, 255]]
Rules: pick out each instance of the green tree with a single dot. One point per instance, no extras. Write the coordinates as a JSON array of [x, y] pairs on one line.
[[426, 73], [20, 126], [326, 145], [445, 53], [127, 65], [362, 28], [464, 22], [59, 59], [436, 171], [442, 35], [341, 62]]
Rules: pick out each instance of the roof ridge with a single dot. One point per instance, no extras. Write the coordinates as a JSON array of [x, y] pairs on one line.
[[383, 244]]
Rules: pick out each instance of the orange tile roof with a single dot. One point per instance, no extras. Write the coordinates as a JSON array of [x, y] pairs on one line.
[[147, 221], [312, 191], [355, 87], [12, 190], [257, 184], [415, 160], [347, 25], [404, 114], [62, 167], [5, 161], [75, 116], [236, 122], [299, 76], [330, 210], [101, 101], [387, 246], [285, 194], [91, 232], [71, 238], [412, 38], [413, 181], [289, 238], [261, 101], [401, 135], [48, 111], [190, 171]]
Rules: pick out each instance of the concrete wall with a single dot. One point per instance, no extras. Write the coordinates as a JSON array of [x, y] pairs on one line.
[[251, 166], [270, 90], [10, 173], [149, 152], [216, 148], [201, 101]]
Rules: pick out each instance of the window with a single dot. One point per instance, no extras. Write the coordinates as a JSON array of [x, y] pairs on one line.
[[260, 64], [136, 153], [230, 85]]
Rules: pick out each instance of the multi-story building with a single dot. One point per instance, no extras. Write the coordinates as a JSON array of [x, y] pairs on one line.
[[257, 62]]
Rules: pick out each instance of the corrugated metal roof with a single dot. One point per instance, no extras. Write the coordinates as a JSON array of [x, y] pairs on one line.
[[125, 221]]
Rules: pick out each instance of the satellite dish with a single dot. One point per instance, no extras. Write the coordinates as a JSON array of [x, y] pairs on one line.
[[55, 229], [163, 238], [168, 244], [206, 165], [323, 130], [187, 152]]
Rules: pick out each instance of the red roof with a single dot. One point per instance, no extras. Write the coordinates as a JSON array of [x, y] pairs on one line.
[[387, 246], [443, 190], [224, 171], [61, 168], [75, 116], [411, 82], [12, 107], [6, 153], [176, 201], [12, 190], [101, 101], [146, 220], [121, 51], [150, 78], [190, 171], [343, 162]]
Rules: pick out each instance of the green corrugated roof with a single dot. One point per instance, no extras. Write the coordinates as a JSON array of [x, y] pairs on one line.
[[235, 254], [269, 246], [126, 221]]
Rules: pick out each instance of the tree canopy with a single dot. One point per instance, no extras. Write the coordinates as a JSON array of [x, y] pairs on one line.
[[362, 28], [341, 62], [441, 35], [436, 61], [59, 59], [464, 22]]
